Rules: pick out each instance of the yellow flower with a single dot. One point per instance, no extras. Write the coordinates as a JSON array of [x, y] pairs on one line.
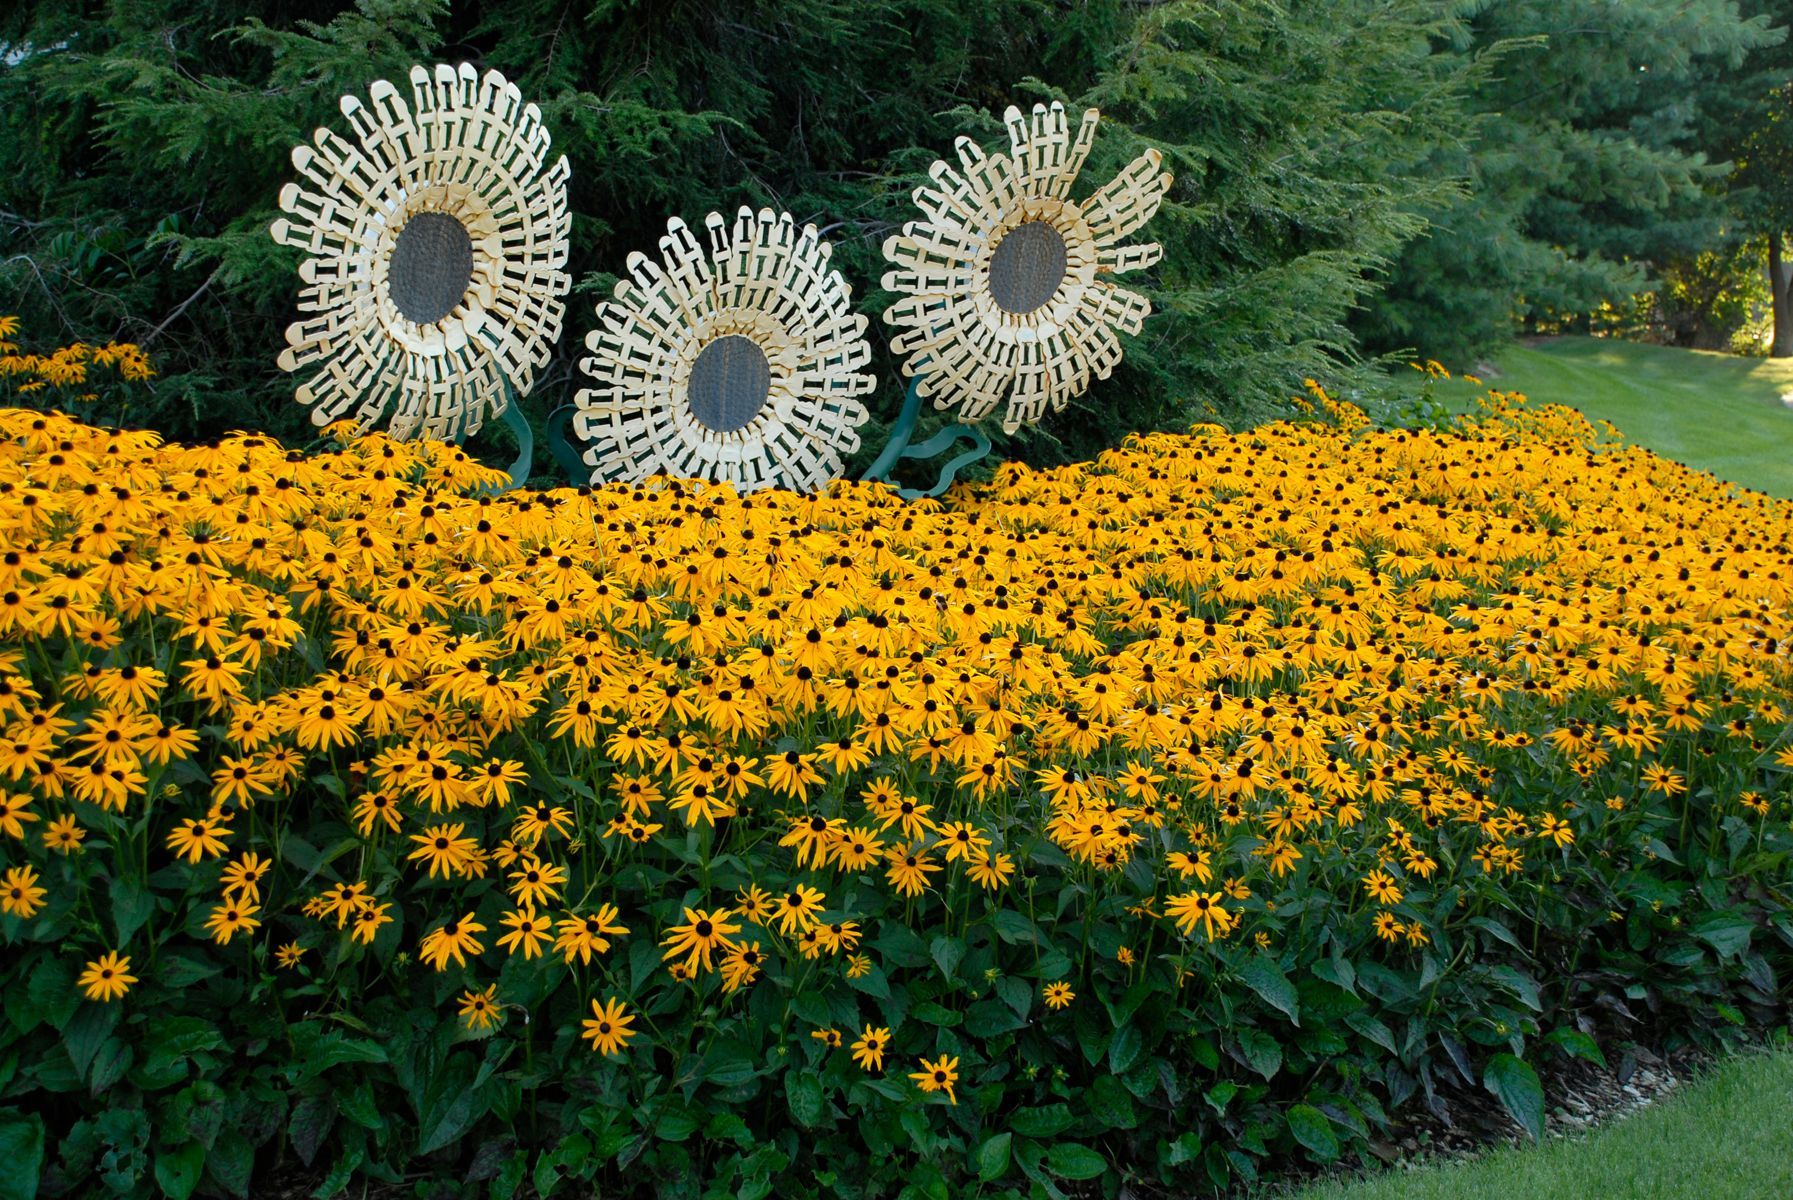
[[19, 894], [14, 814], [608, 1028], [869, 1047], [1200, 908], [64, 835], [480, 1010], [697, 940], [528, 932], [581, 937], [196, 838], [454, 940], [231, 918], [1059, 995], [107, 978], [938, 1076]]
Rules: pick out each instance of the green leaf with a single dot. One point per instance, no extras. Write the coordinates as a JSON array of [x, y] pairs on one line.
[[1497, 930], [1312, 1129], [451, 1105], [1517, 1086], [230, 1162], [1125, 1049], [132, 907], [22, 1150], [109, 1065], [803, 1094], [990, 1018], [1016, 993], [86, 1032], [1725, 932], [930, 1013], [1071, 1160], [310, 1124], [1111, 1104], [1262, 1053], [948, 954], [1577, 1043], [993, 1158], [1012, 927], [1186, 1149], [1263, 976], [178, 1171], [1048, 1120]]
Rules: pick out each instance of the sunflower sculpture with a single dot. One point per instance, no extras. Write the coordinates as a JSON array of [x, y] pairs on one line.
[[438, 243], [1008, 284], [741, 363]]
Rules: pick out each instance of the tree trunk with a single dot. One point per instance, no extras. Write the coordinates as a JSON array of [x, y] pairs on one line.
[[1780, 285]]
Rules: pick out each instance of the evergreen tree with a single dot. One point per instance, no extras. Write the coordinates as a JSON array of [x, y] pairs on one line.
[[1588, 170]]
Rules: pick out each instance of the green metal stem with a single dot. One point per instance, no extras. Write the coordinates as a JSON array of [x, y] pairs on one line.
[[560, 442], [898, 447], [513, 416], [900, 433]]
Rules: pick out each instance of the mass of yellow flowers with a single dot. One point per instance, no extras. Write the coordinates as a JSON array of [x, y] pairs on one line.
[[1196, 673]]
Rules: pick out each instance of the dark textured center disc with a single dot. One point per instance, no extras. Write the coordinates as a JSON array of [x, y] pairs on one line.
[[1027, 266], [432, 263], [729, 383]]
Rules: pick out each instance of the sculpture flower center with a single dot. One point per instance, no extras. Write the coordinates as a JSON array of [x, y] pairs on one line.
[[432, 264], [729, 383], [1027, 266]]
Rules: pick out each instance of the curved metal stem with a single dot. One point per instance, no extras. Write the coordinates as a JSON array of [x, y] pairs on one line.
[[898, 447], [560, 443], [525, 463], [900, 433]]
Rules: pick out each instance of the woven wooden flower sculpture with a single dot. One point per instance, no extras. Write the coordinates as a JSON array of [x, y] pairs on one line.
[[741, 363], [1009, 282], [438, 243]]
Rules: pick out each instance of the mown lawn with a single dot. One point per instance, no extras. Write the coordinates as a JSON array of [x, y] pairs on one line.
[[1726, 1137], [1717, 412]]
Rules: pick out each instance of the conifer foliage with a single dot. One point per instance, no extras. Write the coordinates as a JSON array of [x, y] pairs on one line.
[[142, 147]]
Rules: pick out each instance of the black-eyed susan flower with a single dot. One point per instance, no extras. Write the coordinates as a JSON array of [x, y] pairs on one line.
[[741, 965], [455, 939], [230, 918], [19, 894], [908, 869], [608, 1029], [446, 849], [480, 1010], [1058, 994], [797, 909], [938, 1075], [526, 932], [1192, 909], [107, 977], [64, 834], [869, 1046], [697, 940], [195, 838]]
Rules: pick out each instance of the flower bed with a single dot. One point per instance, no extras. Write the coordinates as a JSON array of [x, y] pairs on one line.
[[1152, 817]]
